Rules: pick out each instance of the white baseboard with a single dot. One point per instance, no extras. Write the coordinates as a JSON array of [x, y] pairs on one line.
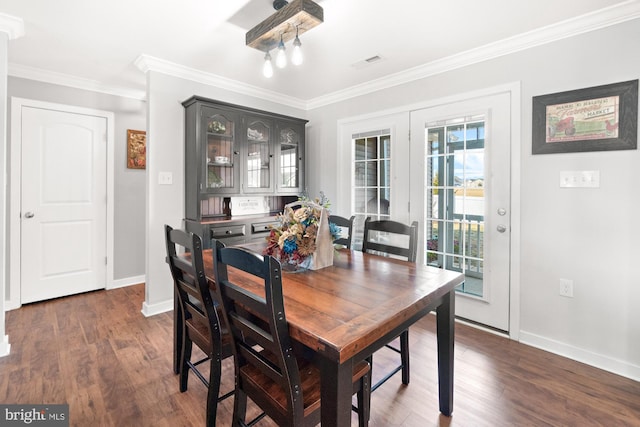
[[153, 309], [5, 347], [127, 281], [616, 366], [12, 304]]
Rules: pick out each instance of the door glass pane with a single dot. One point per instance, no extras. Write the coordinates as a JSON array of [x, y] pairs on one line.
[[385, 177], [289, 146], [371, 174], [372, 148], [386, 146], [454, 193], [220, 151], [434, 245], [258, 155]]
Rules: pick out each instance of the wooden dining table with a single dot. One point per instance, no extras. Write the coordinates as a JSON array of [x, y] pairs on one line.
[[347, 311]]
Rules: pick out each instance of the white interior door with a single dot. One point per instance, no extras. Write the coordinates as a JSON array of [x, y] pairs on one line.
[[63, 203], [460, 158]]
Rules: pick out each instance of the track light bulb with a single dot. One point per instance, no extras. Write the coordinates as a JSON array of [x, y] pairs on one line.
[[296, 56], [267, 68], [281, 57]]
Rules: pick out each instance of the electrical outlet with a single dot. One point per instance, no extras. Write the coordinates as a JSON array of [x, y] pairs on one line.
[[566, 288]]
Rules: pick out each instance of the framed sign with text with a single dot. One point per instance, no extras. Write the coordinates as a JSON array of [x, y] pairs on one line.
[[600, 118]]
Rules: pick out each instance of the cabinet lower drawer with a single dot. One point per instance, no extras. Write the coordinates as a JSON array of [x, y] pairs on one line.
[[263, 227], [227, 231]]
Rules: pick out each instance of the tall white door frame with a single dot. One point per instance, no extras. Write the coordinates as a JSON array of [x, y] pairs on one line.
[[17, 104], [344, 139]]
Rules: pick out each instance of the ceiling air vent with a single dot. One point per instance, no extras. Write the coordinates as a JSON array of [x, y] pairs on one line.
[[367, 62]]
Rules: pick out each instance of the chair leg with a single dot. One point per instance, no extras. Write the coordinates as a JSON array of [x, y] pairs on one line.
[[214, 390], [178, 324], [404, 355], [239, 408], [185, 356], [364, 400]]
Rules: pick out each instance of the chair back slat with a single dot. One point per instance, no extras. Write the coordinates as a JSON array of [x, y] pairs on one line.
[[254, 320], [395, 230], [248, 326], [346, 225]]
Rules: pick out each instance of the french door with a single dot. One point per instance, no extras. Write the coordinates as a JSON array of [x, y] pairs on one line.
[[460, 194]]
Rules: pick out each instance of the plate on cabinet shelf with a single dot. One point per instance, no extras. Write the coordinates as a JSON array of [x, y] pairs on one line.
[[255, 135], [221, 164], [217, 127]]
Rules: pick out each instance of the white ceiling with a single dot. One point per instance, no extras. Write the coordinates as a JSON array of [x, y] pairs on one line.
[[97, 43]]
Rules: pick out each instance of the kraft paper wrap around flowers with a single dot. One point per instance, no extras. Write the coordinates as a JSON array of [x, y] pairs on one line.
[[323, 256]]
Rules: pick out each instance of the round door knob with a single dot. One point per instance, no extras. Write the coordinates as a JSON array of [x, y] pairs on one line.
[[29, 215], [501, 228], [502, 212]]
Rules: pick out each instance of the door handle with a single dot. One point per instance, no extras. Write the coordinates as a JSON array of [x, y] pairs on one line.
[[501, 228], [29, 215]]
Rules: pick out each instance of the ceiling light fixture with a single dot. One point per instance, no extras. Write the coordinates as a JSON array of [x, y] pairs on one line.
[[278, 29]]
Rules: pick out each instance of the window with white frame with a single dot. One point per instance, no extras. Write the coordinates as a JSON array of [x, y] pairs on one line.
[[371, 176]]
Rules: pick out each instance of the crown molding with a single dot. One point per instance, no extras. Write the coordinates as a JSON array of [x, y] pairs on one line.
[[14, 27], [596, 20], [148, 63], [612, 15], [52, 77]]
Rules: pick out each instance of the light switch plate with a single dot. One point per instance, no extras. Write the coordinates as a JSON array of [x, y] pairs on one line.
[[165, 178], [579, 179]]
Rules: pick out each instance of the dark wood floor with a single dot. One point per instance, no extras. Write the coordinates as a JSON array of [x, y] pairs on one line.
[[112, 365]]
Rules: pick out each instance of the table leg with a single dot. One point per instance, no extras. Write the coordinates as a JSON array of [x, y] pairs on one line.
[[336, 391], [445, 329]]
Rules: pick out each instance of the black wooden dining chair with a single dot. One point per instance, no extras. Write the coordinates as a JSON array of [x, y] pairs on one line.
[[199, 317], [346, 224], [388, 237], [286, 388]]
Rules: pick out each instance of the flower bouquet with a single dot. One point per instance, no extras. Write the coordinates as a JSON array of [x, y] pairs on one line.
[[303, 240]]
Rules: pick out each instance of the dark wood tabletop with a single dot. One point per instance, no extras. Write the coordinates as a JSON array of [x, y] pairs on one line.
[[349, 310]]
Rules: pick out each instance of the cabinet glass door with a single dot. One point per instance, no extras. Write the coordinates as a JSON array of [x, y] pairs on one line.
[[290, 149], [258, 156], [220, 150]]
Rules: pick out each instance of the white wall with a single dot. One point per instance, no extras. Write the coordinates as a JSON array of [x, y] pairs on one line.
[[165, 153], [587, 235]]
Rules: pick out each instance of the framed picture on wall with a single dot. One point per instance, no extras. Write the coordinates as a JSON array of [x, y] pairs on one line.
[[136, 149], [600, 118]]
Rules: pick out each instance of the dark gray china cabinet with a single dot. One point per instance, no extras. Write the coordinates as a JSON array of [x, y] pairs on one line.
[[235, 151]]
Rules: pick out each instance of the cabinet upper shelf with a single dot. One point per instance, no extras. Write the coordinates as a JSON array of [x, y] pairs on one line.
[[220, 135]]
